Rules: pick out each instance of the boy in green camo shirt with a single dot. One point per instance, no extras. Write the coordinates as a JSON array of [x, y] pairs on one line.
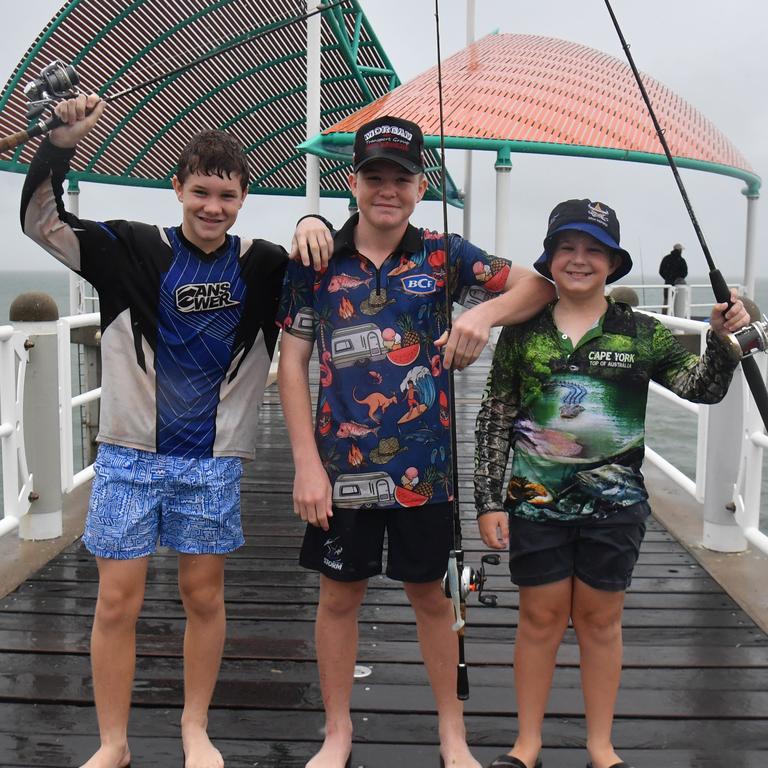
[[568, 390]]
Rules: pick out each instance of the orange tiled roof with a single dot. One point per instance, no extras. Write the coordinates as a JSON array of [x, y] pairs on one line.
[[525, 88]]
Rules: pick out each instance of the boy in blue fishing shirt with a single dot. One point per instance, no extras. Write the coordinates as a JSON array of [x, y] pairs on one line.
[[567, 391], [378, 458], [187, 320]]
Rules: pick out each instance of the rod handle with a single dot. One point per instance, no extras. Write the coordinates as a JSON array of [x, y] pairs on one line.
[[462, 682], [720, 288], [9, 142]]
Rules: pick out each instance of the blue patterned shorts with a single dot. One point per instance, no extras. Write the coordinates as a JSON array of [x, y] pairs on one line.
[[138, 498]]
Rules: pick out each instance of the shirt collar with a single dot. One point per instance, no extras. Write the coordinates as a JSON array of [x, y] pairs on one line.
[[344, 239], [618, 318], [220, 251]]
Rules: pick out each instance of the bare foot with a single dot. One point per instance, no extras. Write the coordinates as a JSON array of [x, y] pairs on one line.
[[456, 754], [198, 750], [110, 757], [603, 757], [335, 750]]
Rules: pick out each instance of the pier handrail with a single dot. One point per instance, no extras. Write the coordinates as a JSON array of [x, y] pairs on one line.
[[17, 479], [69, 478]]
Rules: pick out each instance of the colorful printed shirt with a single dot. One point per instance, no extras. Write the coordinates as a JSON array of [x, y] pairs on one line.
[[382, 424], [187, 337], [576, 416]]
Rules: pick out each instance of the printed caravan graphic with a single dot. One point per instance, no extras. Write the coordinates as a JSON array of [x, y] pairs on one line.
[[472, 295], [304, 324], [363, 490], [357, 344]]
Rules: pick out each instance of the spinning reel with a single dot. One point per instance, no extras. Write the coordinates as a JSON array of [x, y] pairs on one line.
[[55, 82], [460, 580], [751, 339]]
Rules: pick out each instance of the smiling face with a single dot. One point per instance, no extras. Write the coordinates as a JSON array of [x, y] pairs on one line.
[[210, 205], [386, 194], [580, 265]]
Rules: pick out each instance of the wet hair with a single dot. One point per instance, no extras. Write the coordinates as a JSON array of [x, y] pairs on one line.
[[213, 153]]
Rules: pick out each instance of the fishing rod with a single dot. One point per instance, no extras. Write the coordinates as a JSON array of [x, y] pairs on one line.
[[58, 81], [459, 579], [754, 337]]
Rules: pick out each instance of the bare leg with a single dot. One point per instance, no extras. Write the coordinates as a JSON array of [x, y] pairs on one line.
[[201, 584], [597, 621], [336, 641], [439, 649], [113, 655], [544, 613]]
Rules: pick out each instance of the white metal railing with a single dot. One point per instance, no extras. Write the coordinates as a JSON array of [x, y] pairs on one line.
[[70, 479], [17, 480], [694, 487], [747, 490], [679, 301]]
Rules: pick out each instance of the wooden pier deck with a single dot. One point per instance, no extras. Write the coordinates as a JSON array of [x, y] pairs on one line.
[[694, 690]]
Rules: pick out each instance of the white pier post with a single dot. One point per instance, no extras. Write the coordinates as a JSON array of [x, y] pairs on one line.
[[466, 230], [41, 435], [725, 432], [749, 248], [503, 166], [313, 107]]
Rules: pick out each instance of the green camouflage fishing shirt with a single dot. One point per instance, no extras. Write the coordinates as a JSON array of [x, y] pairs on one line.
[[575, 417]]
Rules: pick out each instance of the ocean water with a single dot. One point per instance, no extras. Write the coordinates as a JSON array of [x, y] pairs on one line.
[[669, 430]]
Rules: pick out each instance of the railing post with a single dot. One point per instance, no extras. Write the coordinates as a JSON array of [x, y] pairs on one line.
[[35, 316], [725, 431]]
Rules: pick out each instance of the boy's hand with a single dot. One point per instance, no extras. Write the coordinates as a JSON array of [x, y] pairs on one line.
[[79, 115], [469, 335], [736, 317], [312, 243], [494, 529], [312, 495]]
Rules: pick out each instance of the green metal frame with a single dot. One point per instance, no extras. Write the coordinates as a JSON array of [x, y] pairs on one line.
[[349, 44], [339, 146]]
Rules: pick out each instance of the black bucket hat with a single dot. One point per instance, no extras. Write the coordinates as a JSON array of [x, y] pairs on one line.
[[595, 219]]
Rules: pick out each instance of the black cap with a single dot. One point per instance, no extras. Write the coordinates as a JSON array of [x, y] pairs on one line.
[[389, 138], [595, 219]]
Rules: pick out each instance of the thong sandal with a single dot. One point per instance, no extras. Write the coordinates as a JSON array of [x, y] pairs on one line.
[[507, 761], [615, 765]]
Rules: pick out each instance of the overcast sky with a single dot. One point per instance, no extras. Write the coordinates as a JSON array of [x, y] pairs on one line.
[[710, 53]]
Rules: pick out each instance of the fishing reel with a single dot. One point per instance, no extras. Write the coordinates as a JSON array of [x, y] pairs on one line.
[[751, 339], [55, 82], [460, 580]]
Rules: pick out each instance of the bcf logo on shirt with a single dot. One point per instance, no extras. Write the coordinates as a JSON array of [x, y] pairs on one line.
[[419, 284]]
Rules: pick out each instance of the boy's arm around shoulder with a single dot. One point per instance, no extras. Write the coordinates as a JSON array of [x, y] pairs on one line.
[[525, 294], [702, 379], [493, 430]]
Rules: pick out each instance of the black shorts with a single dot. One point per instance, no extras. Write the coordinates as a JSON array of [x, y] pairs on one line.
[[601, 553], [418, 542]]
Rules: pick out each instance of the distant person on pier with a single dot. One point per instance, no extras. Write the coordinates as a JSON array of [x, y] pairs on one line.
[[673, 269], [188, 331], [567, 391]]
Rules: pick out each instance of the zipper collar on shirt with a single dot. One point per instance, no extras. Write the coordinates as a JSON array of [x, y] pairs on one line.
[[213, 255]]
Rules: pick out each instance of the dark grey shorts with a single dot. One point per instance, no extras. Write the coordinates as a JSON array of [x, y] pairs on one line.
[[601, 553]]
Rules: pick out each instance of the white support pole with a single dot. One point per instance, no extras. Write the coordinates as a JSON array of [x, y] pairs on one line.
[[76, 283], [722, 532], [467, 192], [749, 248], [313, 107], [503, 240]]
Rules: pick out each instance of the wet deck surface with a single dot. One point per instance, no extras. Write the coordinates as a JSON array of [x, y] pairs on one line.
[[694, 690]]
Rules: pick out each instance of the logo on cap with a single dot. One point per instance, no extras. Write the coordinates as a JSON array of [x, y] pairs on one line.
[[598, 213]]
